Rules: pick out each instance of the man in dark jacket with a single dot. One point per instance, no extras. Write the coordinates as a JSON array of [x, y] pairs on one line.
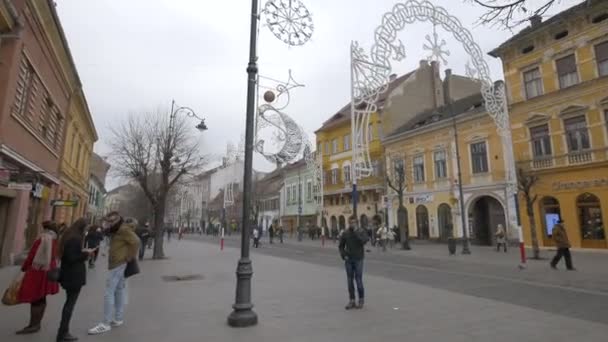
[[143, 232], [560, 236], [352, 243], [92, 241]]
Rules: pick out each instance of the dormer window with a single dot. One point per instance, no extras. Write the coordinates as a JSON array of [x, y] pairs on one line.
[[599, 18], [527, 49], [562, 34]]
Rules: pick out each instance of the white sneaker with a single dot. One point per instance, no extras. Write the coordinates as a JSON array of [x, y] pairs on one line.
[[100, 328], [117, 323]]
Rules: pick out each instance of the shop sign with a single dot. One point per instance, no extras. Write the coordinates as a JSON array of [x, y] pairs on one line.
[[421, 199], [61, 203], [20, 186], [592, 183]]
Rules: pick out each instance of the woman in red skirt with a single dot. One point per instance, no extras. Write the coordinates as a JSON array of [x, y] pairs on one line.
[[35, 285]]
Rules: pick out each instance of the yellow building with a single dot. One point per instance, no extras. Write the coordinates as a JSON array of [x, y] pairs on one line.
[[426, 146], [335, 143], [74, 169], [406, 96], [557, 80]]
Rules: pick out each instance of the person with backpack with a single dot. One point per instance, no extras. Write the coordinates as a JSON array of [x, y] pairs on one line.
[[352, 242]]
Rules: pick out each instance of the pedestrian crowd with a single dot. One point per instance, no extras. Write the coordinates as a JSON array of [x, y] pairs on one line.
[[59, 258]]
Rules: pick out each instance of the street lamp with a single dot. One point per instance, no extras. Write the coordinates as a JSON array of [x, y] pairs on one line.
[[243, 314], [189, 112], [399, 188]]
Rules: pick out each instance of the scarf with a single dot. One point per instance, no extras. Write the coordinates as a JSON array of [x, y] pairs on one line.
[[44, 254]]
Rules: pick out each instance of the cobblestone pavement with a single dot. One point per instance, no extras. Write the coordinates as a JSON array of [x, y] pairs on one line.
[[299, 293]]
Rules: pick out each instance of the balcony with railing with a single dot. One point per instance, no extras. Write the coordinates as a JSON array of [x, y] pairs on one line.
[[564, 160]]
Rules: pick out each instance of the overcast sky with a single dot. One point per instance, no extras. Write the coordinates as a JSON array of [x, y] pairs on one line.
[[138, 54]]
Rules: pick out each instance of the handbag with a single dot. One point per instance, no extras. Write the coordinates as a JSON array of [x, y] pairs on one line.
[[132, 268], [11, 294], [54, 274]]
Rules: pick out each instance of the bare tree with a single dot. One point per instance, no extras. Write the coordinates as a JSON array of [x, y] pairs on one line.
[[526, 182], [400, 187], [512, 13], [155, 150]]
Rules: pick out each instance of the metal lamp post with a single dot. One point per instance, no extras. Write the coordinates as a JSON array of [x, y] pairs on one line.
[[243, 314], [465, 234], [189, 112]]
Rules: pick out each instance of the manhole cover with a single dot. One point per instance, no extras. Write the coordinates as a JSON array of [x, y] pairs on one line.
[[186, 277]]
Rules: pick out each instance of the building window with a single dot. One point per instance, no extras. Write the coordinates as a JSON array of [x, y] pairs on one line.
[[590, 217], [566, 71], [309, 191], [551, 214], [327, 148], [541, 141], [441, 169], [334, 176], [347, 173], [601, 56], [334, 146], [288, 197], [419, 169], [577, 134], [26, 89], [533, 83], [479, 157], [347, 142]]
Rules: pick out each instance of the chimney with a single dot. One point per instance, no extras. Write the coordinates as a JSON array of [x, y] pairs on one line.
[[535, 20], [392, 77], [446, 85], [423, 63]]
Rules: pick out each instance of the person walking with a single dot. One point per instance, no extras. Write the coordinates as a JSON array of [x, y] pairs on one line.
[[35, 285], [281, 233], [560, 236], [93, 241], [382, 233], [73, 273], [143, 233], [271, 233], [169, 232], [124, 245], [391, 238], [256, 237], [352, 242], [501, 238]]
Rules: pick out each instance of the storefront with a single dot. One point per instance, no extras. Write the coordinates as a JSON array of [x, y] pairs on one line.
[[581, 202]]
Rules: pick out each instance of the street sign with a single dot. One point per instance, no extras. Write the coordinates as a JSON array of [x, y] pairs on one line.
[[60, 203]]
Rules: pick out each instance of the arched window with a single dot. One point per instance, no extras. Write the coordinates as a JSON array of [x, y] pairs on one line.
[[342, 222], [334, 222], [422, 222], [444, 217], [551, 214], [364, 222], [590, 217]]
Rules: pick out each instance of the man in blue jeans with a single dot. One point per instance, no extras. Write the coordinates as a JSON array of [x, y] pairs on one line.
[[352, 251], [124, 245]]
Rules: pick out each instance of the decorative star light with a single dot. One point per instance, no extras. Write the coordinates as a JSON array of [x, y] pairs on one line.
[[399, 51], [289, 20], [438, 49]]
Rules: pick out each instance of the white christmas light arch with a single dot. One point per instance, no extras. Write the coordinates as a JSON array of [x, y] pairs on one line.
[[370, 78]]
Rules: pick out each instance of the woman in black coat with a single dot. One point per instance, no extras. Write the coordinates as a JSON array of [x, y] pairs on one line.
[[73, 274]]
